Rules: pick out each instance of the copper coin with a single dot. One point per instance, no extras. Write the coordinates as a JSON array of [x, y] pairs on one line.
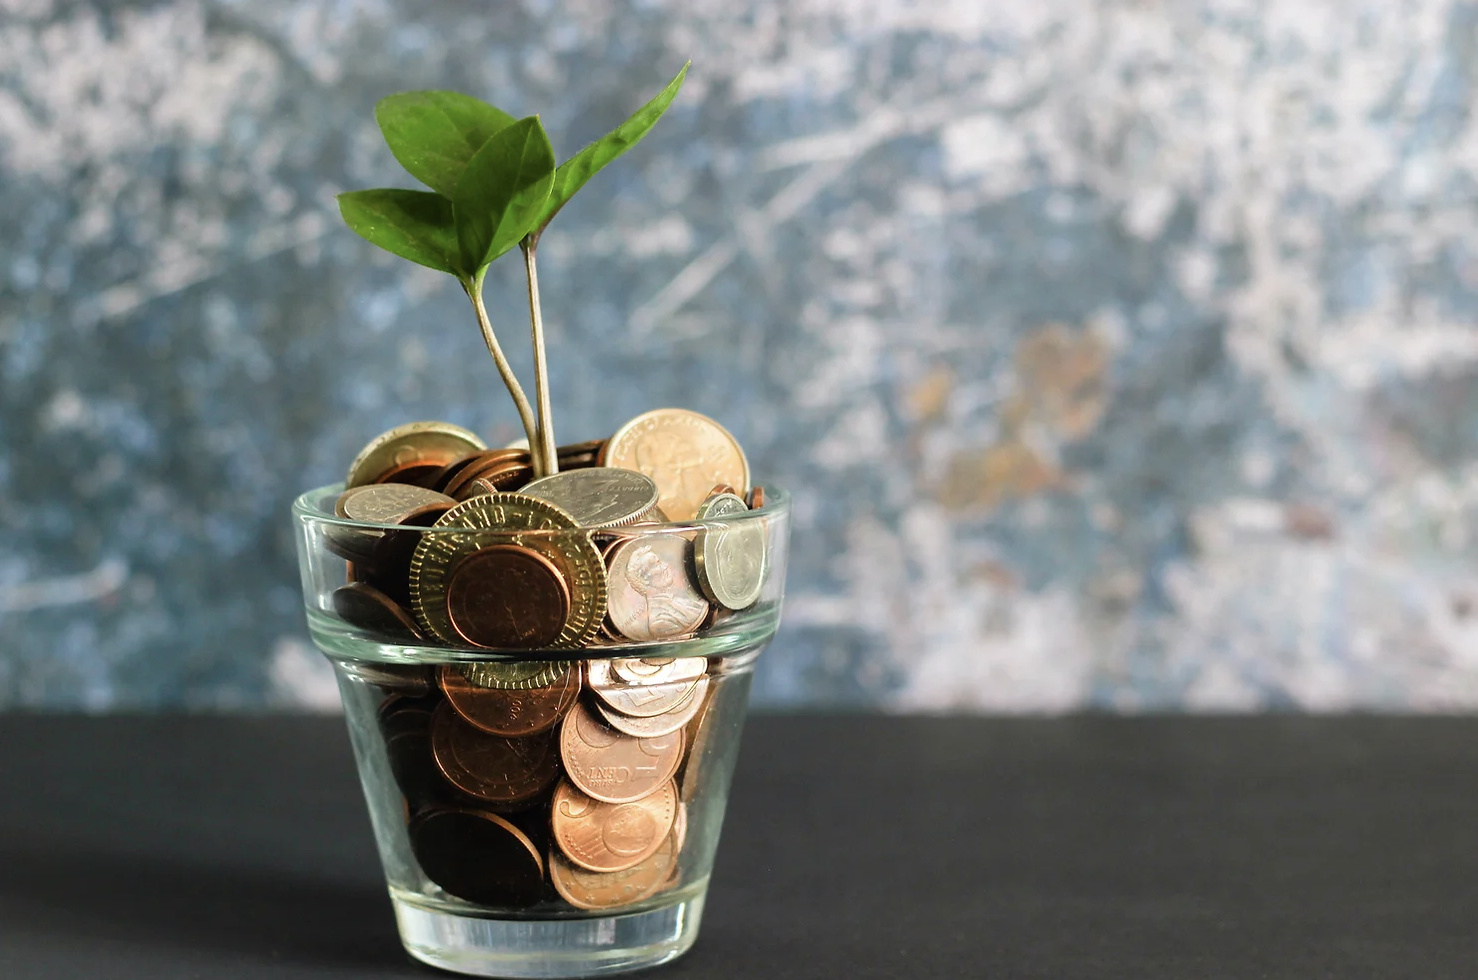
[[478, 857], [492, 767], [650, 593], [721, 489], [591, 447], [610, 837], [668, 721], [362, 605], [612, 889], [663, 693], [511, 712], [757, 498], [388, 568], [507, 596], [612, 766], [449, 471], [698, 736], [414, 474], [407, 445], [405, 727], [482, 462], [683, 452]]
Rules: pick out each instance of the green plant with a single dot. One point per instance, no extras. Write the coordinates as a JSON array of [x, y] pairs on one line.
[[494, 185]]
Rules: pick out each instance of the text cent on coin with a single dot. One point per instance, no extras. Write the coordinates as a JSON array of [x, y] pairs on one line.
[[612, 766]]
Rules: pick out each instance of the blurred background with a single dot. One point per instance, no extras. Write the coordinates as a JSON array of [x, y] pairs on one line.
[[1120, 355]]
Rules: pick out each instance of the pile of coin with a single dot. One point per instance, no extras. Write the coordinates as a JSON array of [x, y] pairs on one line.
[[555, 781], [566, 561]]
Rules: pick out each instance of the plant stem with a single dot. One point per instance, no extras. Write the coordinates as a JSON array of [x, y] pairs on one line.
[[541, 370], [473, 288]]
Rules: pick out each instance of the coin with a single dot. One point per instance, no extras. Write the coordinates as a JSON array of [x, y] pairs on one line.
[[652, 726], [601, 497], [644, 670], [757, 498], [492, 767], [493, 460], [612, 766], [697, 736], [414, 474], [647, 699], [507, 596], [608, 837], [721, 489], [478, 857], [386, 503], [514, 712], [362, 605], [650, 594], [683, 452], [413, 443], [518, 520], [612, 889], [405, 726], [730, 558], [519, 675]]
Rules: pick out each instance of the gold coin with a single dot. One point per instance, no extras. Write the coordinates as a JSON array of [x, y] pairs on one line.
[[609, 837], [611, 766], [517, 520], [613, 889], [428, 443], [521, 676], [683, 452]]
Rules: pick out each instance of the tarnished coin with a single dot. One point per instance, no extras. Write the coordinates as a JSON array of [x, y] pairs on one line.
[[387, 503], [683, 452], [522, 521], [613, 889], [645, 670], [668, 721], [511, 712], [405, 726], [388, 567], [507, 596], [491, 767], [649, 698], [362, 605], [730, 558], [601, 497], [426, 443], [512, 676], [612, 766], [609, 837], [478, 857], [757, 498], [651, 595]]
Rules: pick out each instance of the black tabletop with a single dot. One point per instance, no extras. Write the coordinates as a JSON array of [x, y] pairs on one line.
[[855, 847]]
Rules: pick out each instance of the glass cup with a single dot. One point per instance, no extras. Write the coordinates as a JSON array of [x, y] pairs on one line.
[[550, 812]]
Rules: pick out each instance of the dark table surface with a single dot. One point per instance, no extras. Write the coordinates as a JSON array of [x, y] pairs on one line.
[[855, 848]]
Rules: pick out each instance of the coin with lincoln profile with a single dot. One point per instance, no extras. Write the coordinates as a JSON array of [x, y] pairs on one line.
[[650, 594]]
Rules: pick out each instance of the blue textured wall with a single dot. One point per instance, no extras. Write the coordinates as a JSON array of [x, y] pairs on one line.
[[1119, 354]]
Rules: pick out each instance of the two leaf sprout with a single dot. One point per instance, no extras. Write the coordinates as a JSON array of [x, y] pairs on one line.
[[494, 185]]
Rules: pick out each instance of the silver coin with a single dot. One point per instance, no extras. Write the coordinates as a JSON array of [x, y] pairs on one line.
[[668, 721], [640, 700], [598, 496], [387, 503], [651, 595], [643, 670], [731, 557]]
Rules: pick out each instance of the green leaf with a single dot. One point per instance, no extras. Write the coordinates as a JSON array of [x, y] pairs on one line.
[[574, 172], [434, 134], [415, 225], [503, 191]]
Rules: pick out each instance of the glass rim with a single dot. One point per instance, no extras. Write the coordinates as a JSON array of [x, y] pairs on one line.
[[306, 507]]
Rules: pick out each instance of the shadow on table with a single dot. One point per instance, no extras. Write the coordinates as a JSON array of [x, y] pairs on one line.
[[165, 901]]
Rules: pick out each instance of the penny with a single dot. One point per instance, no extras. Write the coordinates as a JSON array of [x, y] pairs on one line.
[[490, 767], [683, 452], [478, 857], [387, 503], [388, 568], [607, 837], [612, 766], [507, 596], [508, 518], [697, 736], [600, 497], [650, 595], [482, 463], [514, 712], [720, 490], [517, 675], [414, 443], [405, 726], [414, 474], [757, 498], [668, 721], [362, 605], [612, 889], [730, 558], [648, 699]]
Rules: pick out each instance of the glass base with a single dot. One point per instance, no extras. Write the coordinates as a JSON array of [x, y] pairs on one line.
[[573, 947]]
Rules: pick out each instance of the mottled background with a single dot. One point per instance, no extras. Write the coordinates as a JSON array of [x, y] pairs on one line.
[[1119, 354]]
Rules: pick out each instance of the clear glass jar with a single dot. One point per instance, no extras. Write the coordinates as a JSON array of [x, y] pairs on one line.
[[476, 762]]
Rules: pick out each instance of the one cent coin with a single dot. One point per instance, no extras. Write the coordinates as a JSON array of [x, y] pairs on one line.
[[507, 596], [511, 712], [490, 767], [683, 452], [414, 443], [478, 857], [668, 721], [649, 698], [651, 596], [757, 498], [730, 558], [609, 837], [613, 889], [612, 766], [599, 497]]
